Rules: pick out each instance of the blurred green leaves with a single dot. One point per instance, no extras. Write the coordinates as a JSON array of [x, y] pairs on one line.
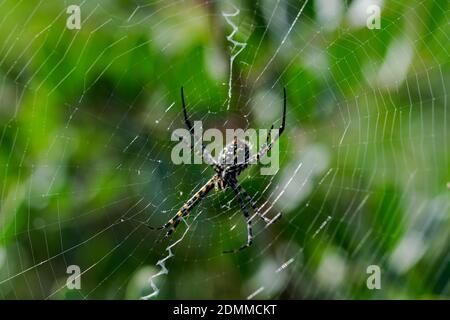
[[85, 123]]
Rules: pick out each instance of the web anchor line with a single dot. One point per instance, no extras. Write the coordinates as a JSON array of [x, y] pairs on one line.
[[236, 44], [162, 264]]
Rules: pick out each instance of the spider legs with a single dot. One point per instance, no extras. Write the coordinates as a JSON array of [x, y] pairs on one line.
[[270, 141], [204, 153], [172, 223], [254, 206], [247, 219], [188, 206], [184, 210], [240, 194]]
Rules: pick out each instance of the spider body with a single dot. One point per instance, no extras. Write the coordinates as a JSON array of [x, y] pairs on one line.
[[232, 160]]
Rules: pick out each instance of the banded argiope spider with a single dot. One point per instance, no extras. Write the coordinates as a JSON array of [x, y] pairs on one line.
[[227, 170]]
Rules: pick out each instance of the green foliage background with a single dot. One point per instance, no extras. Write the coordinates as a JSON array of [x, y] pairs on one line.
[[374, 153]]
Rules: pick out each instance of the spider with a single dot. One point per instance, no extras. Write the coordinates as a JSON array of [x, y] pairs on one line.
[[227, 169]]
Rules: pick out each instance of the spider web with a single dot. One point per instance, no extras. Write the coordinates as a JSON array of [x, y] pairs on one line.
[[87, 115]]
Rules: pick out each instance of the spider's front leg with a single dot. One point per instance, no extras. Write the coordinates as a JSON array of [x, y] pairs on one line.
[[266, 148], [204, 153], [189, 205]]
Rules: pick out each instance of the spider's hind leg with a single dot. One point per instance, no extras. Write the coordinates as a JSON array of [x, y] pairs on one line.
[[256, 208], [247, 219]]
